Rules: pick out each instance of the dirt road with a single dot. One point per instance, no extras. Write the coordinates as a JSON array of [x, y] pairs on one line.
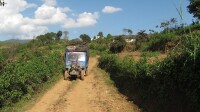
[[93, 94]]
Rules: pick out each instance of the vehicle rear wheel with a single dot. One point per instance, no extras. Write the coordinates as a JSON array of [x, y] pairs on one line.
[[82, 74], [86, 73], [66, 75]]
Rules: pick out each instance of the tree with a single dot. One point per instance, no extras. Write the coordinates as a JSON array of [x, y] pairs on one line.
[[58, 35], [94, 38], [108, 39], [66, 35], [152, 31], [118, 45], [173, 22], [75, 41], [157, 26], [46, 38], [85, 38], [100, 34], [109, 36], [49, 37], [129, 31], [125, 30], [141, 38], [165, 26], [194, 8]]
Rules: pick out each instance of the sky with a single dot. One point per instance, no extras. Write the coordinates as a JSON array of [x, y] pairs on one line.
[[26, 19]]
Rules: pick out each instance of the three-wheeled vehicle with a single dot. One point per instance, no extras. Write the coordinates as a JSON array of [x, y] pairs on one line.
[[76, 61]]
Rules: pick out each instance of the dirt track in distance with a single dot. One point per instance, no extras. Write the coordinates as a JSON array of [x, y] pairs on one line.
[[91, 95]]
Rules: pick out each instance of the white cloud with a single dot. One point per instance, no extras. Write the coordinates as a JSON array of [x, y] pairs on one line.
[[14, 24], [84, 19], [45, 15], [111, 9], [50, 2]]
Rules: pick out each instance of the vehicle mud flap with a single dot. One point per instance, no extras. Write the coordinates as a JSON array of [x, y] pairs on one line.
[[82, 74]]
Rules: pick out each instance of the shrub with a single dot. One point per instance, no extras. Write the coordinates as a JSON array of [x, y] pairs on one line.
[[158, 42], [118, 45], [169, 84], [26, 75]]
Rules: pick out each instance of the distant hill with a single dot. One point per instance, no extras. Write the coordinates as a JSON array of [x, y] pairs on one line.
[[18, 40]]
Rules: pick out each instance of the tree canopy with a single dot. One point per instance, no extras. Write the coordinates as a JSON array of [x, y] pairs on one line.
[[118, 45], [46, 38], [58, 35], [100, 34], [129, 31], [66, 35], [85, 38], [194, 8]]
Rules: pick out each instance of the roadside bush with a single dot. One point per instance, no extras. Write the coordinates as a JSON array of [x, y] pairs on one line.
[[25, 76], [169, 85], [97, 46], [188, 29], [158, 42], [118, 45], [7, 54]]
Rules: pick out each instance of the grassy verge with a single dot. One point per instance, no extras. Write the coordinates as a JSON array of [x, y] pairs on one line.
[[150, 54], [106, 77]]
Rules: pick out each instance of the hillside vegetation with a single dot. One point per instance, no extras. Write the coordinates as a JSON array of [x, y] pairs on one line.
[[25, 68], [171, 84], [167, 84]]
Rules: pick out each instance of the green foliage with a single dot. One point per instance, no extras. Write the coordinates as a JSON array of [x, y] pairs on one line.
[[194, 7], [129, 31], [65, 35], [109, 36], [118, 44], [158, 42], [75, 41], [195, 27], [58, 35], [32, 67], [163, 41], [142, 37], [93, 53], [100, 34], [47, 38], [150, 54], [85, 38], [100, 45], [7, 52], [169, 84], [168, 25]]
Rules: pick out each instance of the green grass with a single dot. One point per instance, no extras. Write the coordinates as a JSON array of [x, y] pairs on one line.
[[106, 77], [93, 52], [150, 54]]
